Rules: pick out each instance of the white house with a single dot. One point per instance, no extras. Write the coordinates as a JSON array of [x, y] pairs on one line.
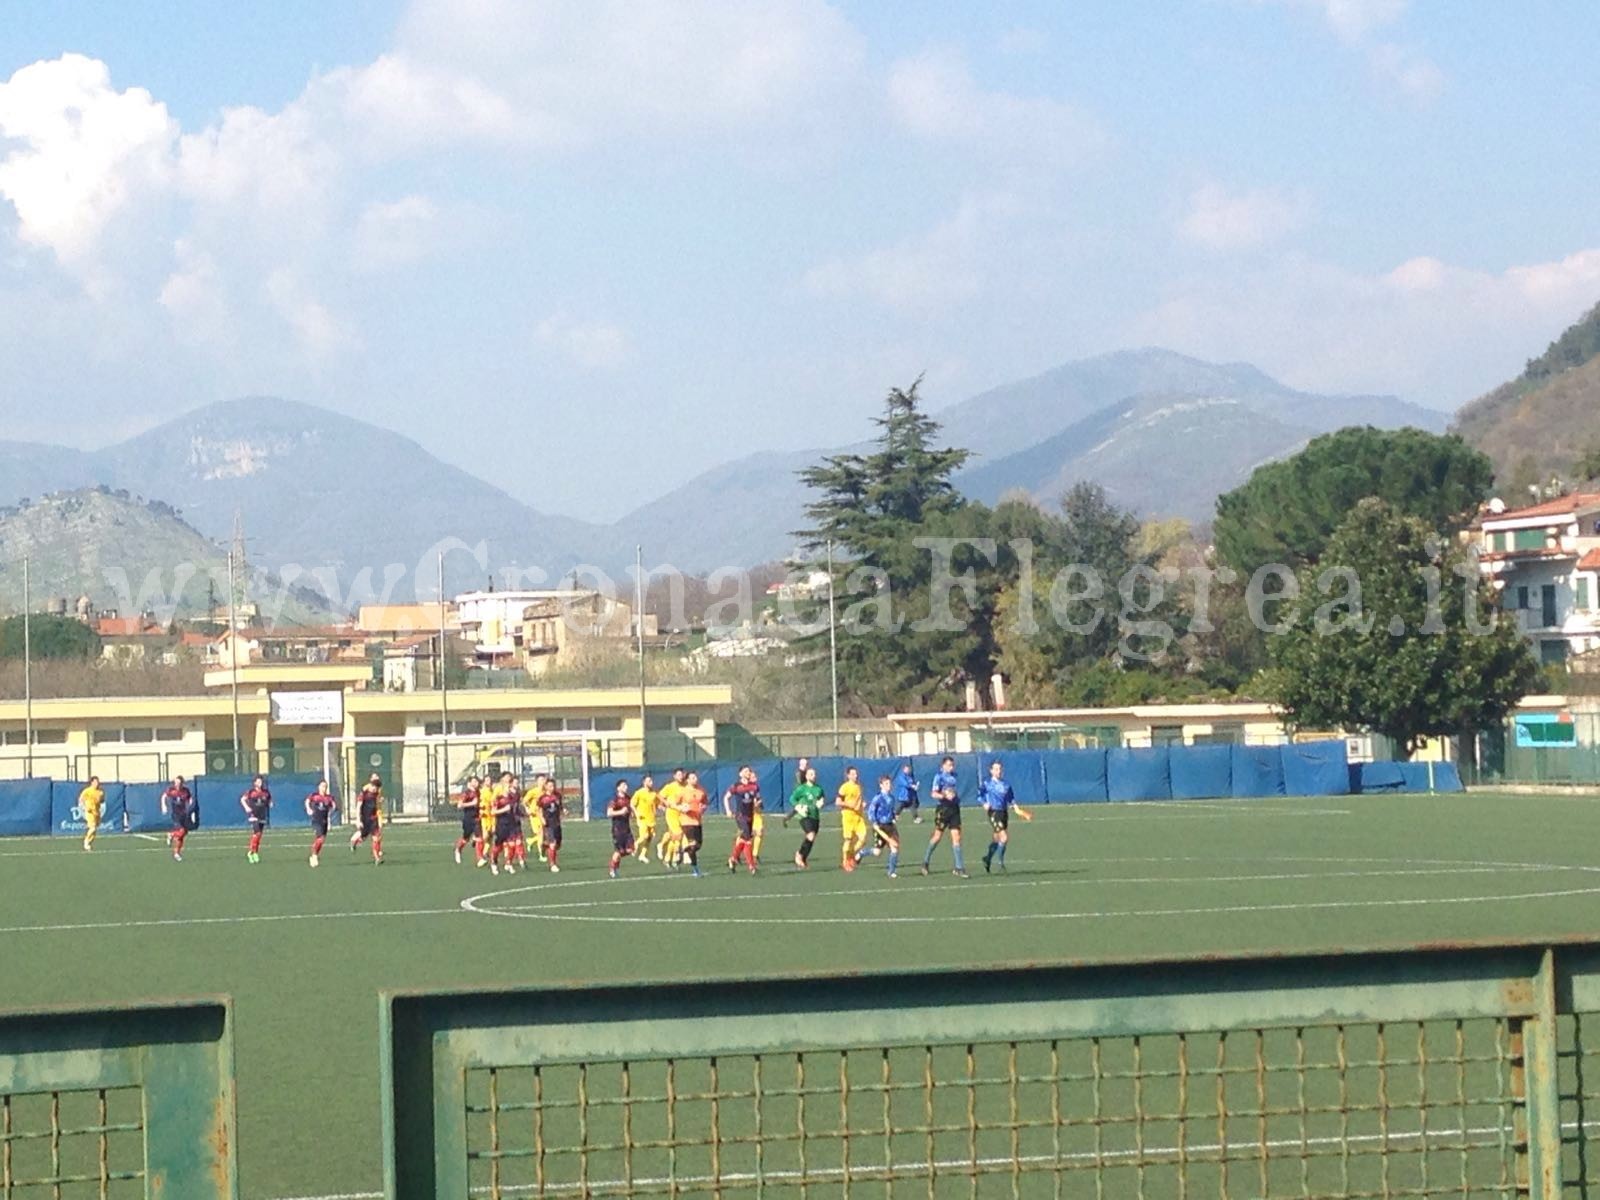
[[1545, 561]]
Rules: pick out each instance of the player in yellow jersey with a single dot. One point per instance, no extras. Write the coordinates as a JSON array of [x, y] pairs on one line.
[[645, 802], [488, 796], [535, 816], [852, 816], [91, 803], [669, 799]]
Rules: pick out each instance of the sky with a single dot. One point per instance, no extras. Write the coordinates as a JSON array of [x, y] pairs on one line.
[[591, 248]]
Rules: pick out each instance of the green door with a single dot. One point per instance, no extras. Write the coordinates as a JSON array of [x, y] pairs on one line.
[[219, 757], [380, 759], [280, 756]]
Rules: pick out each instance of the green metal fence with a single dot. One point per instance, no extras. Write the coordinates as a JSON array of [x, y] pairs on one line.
[[118, 1104], [1450, 1071]]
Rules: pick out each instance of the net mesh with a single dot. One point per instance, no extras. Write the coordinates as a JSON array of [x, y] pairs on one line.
[[72, 1145]]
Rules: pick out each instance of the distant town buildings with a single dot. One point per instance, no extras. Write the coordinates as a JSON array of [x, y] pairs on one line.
[[1545, 561]]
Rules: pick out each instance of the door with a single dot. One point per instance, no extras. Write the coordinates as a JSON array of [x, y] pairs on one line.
[[280, 756], [380, 759], [1547, 605]]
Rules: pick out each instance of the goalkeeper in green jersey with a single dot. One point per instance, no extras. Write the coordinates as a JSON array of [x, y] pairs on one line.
[[806, 802]]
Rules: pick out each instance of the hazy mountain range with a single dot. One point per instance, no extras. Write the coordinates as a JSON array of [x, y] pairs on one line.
[[364, 509]]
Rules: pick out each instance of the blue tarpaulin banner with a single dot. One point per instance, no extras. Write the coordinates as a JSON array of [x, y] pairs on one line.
[[1141, 773], [1257, 770], [1074, 776], [1201, 772], [25, 806], [66, 817], [1316, 768]]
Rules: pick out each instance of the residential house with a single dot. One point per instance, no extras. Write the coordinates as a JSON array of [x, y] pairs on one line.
[[1545, 562]]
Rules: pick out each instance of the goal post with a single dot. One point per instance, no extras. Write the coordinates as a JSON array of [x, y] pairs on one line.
[[423, 775]]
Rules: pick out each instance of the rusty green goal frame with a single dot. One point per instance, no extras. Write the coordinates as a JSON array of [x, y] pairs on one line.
[[1463, 1071], [123, 1103]]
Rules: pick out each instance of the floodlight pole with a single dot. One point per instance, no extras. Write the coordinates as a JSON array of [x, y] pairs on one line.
[[833, 651], [444, 686], [638, 617], [27, 662], [233, 652]]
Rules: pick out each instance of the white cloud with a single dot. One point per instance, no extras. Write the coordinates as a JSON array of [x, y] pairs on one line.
[[935, 97], [934, 270], [585, 69], [395, 233], [314, 324], [1355, 22], [1218, 219], [593, 345], [1425, 328], [78, 151]]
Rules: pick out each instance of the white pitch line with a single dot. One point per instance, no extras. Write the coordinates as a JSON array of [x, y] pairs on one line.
[[1022, 883], [244, 920]]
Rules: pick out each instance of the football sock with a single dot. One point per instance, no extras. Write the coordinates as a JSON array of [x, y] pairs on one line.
[[377, 846], [755, 847], [1001, 851], [316, 845], [960, 865], [255, 842], [994, 848], [928, 857], [805, 850]]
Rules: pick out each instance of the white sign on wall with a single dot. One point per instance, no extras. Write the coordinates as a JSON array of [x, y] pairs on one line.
[[307, 708]]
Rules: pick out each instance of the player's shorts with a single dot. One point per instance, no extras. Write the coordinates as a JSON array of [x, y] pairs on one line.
[[947, 816], [319, 824], [852, 825], [694, 836], [258, 824], [810, 824], [505, 830], [469, 824], [370, 825], [647, 831], [622, 839], [1000, 819], [551, 835], [885, 833], [91, 818], [746, 825]]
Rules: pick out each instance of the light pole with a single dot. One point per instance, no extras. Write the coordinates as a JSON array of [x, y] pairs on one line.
[[638, 617], [833, 651]]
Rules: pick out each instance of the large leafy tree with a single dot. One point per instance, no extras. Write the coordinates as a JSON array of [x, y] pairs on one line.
[[872, 508], [1394, 630], [49, 637], [1287, 510]]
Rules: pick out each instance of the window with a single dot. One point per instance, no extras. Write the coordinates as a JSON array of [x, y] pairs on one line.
[[1522, 597], [549, 725], [608, 724], [104, 737], [50, 737], [490, 727], [16, 737], [1584, 593], [1166, 735], [169, 735], [139, 735], [1553, 653], [580, 724], [432, 728], [467, 728], [1531, 539]]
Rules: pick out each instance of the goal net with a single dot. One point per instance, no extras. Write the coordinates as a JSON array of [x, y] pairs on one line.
[[423, 776]]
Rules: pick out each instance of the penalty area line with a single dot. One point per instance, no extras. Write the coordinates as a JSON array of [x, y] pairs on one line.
[[248, 919]]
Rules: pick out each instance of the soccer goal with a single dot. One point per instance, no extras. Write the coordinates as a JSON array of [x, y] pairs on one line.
[[423, 776]]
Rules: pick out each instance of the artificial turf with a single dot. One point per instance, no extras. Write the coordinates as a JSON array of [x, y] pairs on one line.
[[304, 953]]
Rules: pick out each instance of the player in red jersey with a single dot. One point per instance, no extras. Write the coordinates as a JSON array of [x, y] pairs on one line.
[[319, 807], [257, 805], [549, 802], [620, 810], [467, 804], [178, 803], [369, 818], [742, 802]]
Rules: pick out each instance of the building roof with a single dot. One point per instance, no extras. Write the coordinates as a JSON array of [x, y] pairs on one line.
[[128, 627], [404, 618], [1590, 561], [1548, 508]]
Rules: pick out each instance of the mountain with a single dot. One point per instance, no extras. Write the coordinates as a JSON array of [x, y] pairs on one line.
[[1205, 445], [1165, 434], [126, 555], [332, 494], [359, 512], [1535, 427]]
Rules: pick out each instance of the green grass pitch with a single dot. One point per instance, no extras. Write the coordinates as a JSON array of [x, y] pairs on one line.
[[304, 953]]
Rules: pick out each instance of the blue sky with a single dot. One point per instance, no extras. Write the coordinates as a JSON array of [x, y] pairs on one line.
[[634, 238]]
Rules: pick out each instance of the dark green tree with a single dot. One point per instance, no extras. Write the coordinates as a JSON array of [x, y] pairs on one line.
[[1394, 630], [1287, 510], [51, 637]]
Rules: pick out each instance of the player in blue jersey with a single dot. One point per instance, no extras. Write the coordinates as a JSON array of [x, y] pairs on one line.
[[999, 801], [880, 815], [906, 798], [946, 816]]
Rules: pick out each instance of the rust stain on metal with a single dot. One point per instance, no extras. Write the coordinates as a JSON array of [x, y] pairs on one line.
[[219, 1143], [1518, 993]]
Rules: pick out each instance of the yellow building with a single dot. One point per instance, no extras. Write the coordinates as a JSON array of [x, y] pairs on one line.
[[286, 712]]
